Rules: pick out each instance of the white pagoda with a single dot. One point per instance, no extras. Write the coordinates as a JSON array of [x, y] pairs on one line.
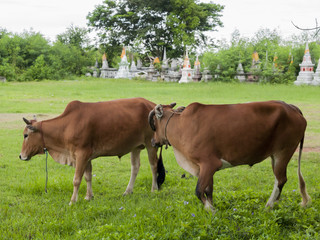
[[316, 76], [306, 69], [240, 73], [186, 71], [123, 71]]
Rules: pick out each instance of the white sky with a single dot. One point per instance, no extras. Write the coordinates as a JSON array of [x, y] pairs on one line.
[[52, 17]]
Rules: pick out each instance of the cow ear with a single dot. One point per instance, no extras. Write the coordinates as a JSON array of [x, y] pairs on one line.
[[151, 120], [173, 104], [26, 121], [32, 128], [159, 111]]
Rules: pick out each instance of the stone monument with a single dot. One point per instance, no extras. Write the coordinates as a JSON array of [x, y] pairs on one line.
[[255, 68], [133, 68], [151, 71], [106, 72], [95, 72], [306, 69], [241, 76], [206, 76], [139, 64], [186, 71], [197, 74], [316, 76], [123, 71]]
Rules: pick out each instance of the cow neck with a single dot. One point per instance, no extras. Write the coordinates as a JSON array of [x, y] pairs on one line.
[[165, 130], [41, 131]]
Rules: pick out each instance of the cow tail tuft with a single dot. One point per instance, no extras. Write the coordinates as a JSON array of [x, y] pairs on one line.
[[161, 170]]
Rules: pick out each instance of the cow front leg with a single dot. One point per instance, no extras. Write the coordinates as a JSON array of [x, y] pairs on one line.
[[80, 168], [135, 165], [88, 177], [204, 187], [153, 160]]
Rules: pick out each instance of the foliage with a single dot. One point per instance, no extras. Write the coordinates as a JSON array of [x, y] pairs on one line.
[[240, 193], [155, 24], [29, 56], [279, 58], [75, 36]]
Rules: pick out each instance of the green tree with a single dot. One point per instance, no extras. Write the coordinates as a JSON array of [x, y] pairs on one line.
[[155, 24], [75, 36]]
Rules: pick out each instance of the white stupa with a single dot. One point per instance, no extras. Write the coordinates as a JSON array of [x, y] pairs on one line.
[[306, 69], [123, 71], [316, 76], [240, 73], [186, 71]]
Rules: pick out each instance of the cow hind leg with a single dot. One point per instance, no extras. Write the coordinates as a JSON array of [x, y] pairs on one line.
[[88, 177], [135, 165], [279, 165]]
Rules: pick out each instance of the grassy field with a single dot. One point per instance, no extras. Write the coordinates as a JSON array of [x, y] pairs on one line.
[[240, 194]]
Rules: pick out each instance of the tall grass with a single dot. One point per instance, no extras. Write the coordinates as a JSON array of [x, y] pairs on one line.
[[240, 194]]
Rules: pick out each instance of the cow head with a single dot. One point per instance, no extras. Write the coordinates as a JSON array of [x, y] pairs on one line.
[[32, 140], [158, 119]]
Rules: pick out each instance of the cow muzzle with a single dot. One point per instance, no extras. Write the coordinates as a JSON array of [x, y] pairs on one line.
[[154, 143], [24, 158]]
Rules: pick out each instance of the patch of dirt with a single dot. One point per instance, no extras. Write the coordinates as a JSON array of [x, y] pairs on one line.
[[12, 117], [311, 149], [14, 120]]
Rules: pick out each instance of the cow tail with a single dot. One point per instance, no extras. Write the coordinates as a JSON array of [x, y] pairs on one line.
[[161, 170], [303, 190]]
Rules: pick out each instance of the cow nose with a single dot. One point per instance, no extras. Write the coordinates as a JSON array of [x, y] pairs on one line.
[[154, 143], [23, 158]]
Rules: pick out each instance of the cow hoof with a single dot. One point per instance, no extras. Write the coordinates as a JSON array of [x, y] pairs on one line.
[[209, 208], [127, 193], [306, 203], [88, 198]]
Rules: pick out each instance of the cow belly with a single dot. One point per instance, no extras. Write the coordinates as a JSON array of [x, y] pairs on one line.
[[186, 164]]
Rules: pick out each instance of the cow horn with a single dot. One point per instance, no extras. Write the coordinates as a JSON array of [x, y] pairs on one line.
[[151, 121], [173, 104], [159, 111], [26, 121]]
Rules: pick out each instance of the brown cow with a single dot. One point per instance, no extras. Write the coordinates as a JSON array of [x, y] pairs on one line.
[[208, 138], [85, 131]]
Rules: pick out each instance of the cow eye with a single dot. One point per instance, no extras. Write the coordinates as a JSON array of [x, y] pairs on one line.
[[25, 135]]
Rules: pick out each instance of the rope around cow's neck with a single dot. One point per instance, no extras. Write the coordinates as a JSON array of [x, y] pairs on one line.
[[46, 152], [165, 130]]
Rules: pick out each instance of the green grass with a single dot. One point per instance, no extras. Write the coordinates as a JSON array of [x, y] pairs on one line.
[[240, 194]]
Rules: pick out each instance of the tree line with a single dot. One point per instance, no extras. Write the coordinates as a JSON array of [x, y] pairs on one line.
[[30, 56], [146, 28], [279, 57]]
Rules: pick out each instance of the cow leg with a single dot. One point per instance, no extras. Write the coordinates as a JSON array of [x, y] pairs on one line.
[[152, 155], [279, 165], [81, 164], [135, 165], [88, 177], [204, 187]]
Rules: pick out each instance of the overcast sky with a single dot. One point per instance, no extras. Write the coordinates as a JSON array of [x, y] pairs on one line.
[[52, 17]]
